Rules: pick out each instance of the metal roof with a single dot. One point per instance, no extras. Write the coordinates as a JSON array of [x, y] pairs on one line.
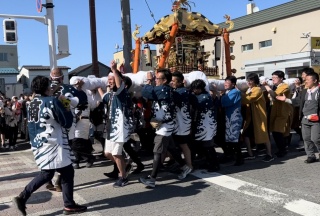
[[289, 9], [85, 67], [40, 67], [80, 68], [8, 71]]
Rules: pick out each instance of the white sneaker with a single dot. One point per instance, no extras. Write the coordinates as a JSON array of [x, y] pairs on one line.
[[185, 171], [300, 146]]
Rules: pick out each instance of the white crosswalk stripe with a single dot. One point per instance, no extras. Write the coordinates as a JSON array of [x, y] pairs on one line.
[[299, 206], [31, 167]]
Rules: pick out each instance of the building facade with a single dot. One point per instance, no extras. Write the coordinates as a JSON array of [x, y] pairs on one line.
[[9, 75], [118, 57], [9, 71], [285, 37], [9, 56]]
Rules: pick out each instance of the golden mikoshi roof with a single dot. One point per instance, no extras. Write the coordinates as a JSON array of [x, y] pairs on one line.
[[193, 26]]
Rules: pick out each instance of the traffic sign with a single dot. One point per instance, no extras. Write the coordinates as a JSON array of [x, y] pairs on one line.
[[39, 5]]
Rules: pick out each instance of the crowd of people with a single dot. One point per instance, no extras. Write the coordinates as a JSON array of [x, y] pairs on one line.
[[13, 124], [184, 124]]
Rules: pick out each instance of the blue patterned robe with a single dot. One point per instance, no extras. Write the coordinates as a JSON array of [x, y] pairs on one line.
[[231, 101], [119, 115], [77, 99], [205, 127], [182, 115], [162, 107], [49, 142]]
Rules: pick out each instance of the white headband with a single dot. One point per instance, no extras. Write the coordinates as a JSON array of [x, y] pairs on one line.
[[53, 77]]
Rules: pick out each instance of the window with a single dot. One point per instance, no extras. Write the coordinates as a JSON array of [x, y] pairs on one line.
[[213, 63], [231, 49], [247, 47], [3, 56], [259, 73], [117, 61], [266, 43], [294, 72]]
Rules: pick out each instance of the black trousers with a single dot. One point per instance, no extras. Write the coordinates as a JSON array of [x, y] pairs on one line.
[[235, 149], [131, 152], [206, 149], [12, 133], [67, 175], [81, 156], [82, 149], [175, 152], [280, 141]]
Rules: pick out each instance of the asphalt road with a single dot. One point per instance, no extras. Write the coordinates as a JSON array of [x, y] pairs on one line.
[[285, 186]]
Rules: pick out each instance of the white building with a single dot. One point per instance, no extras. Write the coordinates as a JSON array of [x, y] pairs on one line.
[[285, 37], [9, 71], [9, 63]]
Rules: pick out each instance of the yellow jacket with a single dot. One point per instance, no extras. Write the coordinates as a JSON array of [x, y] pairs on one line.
[[255, 110], [281, 112]]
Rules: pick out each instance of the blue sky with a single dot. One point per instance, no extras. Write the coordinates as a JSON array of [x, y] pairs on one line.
[[33, 37]]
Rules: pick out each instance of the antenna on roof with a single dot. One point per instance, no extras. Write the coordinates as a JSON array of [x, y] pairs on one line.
[[117, 47]]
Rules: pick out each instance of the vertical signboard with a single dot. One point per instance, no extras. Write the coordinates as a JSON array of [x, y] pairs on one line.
[[179, 46], [315, 42]]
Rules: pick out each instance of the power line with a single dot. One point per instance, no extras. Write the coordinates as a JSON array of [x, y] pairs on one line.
[[152, 15]]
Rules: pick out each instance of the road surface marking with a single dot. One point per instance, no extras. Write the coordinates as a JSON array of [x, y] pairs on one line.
[[299, 206]]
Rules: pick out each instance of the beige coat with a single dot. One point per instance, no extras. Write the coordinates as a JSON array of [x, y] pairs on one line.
[[255, 109], [281, 112]]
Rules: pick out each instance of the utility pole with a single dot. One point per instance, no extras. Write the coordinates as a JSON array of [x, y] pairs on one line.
[[94, 52], [51, 34], [126, 32]]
